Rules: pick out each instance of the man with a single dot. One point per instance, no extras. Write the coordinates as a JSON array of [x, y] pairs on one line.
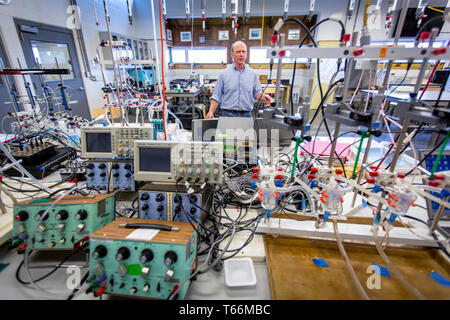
[[237, 87]]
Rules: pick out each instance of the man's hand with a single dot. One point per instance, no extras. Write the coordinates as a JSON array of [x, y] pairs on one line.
[[209, 115], [268, 100]]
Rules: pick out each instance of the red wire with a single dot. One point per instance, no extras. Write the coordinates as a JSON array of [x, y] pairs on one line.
[[429, 79], [162, 71]]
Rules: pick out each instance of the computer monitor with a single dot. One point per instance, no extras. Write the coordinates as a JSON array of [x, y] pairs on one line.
[[204, 129], [153, 160], [96, 143]]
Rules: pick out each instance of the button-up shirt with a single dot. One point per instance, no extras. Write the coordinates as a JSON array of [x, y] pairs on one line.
[[237, 89]]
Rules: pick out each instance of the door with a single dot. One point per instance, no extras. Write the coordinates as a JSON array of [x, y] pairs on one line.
[[45, 43], [6, 105]]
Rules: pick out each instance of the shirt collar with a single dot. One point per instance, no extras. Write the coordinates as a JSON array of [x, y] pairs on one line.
[[236, 68]]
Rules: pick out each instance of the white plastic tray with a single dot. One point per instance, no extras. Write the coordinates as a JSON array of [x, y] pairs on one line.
[[239, 272]]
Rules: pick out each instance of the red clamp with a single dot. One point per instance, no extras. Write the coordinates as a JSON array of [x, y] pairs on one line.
[[401, 175], [433, 183], [79, 243], [311, 176], [346, 37], [275, 38], [22, 248], [439, 51], [100, 291], [282, 53], [373, 174], [339, 171], [313, 170], [358, 52], [370, 180], [424, 36]]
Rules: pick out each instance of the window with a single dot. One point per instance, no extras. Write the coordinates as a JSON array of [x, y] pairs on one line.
[[198, 55], [178, 55], [48, 53], [259, 55]]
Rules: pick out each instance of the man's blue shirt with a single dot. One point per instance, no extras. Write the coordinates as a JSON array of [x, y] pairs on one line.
[[237, 90]]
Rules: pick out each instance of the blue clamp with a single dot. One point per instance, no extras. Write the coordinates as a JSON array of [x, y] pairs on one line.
[[104, 124], [325, 216], [42, 168], [268, 213], [377, 219], [376, 188], [392, 218], [278, 183], [312, 184], [307, 127], [253, 185], [364, 203]]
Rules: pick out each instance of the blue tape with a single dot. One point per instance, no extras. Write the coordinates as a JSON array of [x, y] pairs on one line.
[[320, 263], [392, 218], [377, 219], [381, 270], [436, 276], [303, 204]]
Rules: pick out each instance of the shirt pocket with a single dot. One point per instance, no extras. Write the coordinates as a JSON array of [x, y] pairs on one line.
[[247, 87]]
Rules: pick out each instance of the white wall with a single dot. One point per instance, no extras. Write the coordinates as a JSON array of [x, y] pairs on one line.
[[54, 12]]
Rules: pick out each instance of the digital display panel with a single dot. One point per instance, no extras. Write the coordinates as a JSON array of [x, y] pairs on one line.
[[98, 142], [154, 159]]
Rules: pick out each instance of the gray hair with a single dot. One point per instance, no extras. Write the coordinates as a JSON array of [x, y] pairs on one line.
[[236, 43]]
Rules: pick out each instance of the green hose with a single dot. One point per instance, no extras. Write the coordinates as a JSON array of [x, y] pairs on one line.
[[444, 144], [364, 135], [294, 162]]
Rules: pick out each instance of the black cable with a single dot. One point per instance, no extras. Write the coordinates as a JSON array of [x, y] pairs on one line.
[[422, 27], [53, 270], [322, 102], [263, 92], [83, 280], [301, 44], [442, 88]]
